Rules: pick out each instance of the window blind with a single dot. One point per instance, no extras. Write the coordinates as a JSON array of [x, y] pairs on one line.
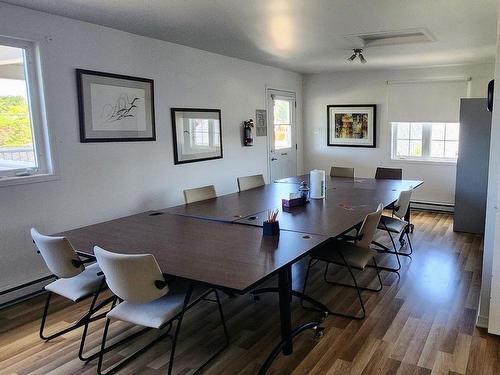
[[426, 101]]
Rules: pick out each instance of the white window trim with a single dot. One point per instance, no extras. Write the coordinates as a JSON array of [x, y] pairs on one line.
[[426, 141], [41, 144]]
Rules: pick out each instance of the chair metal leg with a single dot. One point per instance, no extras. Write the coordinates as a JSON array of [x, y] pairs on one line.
[[179, 318], [409, 243], [86, 326], [358, 291], [378, 275], [83, 321], [318, 305], [385, 249], [353, 286], [178, 329], [103, 346]]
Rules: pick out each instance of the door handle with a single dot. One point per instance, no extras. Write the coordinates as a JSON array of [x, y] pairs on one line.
[[273, 159], [285, 153]]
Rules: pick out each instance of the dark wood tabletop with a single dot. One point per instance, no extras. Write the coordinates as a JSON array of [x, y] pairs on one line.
[[346, 204], [337, 213], [357, 183], [231, 256], [232, 207]]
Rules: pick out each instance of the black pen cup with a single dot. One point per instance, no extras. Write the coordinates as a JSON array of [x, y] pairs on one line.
[[271, 228]]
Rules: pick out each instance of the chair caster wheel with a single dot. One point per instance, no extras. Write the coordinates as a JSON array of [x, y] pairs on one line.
[[324, 316], [402, 242], [256, 298], [412, 227]]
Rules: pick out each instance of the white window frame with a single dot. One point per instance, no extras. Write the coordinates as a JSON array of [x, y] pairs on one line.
[[42, 150], [426, 145]]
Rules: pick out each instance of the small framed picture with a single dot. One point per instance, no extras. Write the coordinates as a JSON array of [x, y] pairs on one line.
[[197, 134], [115, 108], [352, 125]]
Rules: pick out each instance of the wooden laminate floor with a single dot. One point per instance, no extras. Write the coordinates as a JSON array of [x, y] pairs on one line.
[[422, 322]]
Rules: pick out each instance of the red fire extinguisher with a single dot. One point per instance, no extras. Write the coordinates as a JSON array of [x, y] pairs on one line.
[[247, 132]]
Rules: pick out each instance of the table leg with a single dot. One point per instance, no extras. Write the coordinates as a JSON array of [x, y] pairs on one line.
[[287, 334]]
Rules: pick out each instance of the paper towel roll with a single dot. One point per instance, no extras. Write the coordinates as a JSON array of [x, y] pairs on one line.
[[317, 183]]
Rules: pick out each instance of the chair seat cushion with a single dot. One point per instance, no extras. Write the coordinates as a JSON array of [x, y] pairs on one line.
[[80, 286], [393, 224], [158, 312], [355, 256]]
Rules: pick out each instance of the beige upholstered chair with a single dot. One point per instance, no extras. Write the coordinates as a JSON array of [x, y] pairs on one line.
[[199, 194], [146, 299], [351, 254], [75, 282], [342, 172], [397, 225], [389, 173], [250, 182]]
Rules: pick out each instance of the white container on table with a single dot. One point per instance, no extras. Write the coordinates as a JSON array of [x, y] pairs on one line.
[[317, 183]]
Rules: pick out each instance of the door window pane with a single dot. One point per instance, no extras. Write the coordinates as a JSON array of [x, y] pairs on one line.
[[16, 136], [282, 136], [281, 112]]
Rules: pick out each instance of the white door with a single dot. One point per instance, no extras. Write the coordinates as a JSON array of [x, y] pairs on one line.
[[282, 134]]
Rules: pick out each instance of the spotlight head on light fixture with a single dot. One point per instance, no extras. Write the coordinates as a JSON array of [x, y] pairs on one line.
[[357, 52]]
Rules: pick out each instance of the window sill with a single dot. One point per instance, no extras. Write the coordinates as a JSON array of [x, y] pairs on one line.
[[425, 161], [8, 181]]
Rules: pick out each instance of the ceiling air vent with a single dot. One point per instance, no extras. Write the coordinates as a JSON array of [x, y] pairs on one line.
[[389, 38]]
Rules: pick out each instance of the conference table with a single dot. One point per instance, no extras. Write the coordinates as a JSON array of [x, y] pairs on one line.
[[220, 243]]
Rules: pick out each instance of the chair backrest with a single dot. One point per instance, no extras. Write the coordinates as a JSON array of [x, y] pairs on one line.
[[369, 227], [342, 172], [403, 203], [58, 254], [389, 173], [250, 182], [199, 194], [131, 277]]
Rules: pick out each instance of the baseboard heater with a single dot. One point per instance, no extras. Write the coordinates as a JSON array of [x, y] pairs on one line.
[[24, 291], [432, 206]]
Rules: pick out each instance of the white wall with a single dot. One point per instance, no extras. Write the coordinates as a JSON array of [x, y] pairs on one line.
[[108, 180], [370, 88]]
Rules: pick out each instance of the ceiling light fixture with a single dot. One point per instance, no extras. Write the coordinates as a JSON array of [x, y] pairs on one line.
[[357, 52]]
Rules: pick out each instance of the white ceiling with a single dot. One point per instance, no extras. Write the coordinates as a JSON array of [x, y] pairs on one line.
[[301, 35]]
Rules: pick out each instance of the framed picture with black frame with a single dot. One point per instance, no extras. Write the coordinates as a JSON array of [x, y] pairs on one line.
[[353, 125], [114, 107], [197, 134]]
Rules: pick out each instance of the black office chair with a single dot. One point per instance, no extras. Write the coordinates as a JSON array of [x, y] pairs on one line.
[[389, 173], [356, 254]]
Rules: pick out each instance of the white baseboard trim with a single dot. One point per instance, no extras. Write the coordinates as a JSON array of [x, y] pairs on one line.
[[482, 321]]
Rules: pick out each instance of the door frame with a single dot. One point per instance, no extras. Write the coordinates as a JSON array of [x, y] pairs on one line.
[[270, 125]]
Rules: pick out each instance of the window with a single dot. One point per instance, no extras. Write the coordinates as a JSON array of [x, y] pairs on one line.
[[429, 141], [282, 124], [23, 149]]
